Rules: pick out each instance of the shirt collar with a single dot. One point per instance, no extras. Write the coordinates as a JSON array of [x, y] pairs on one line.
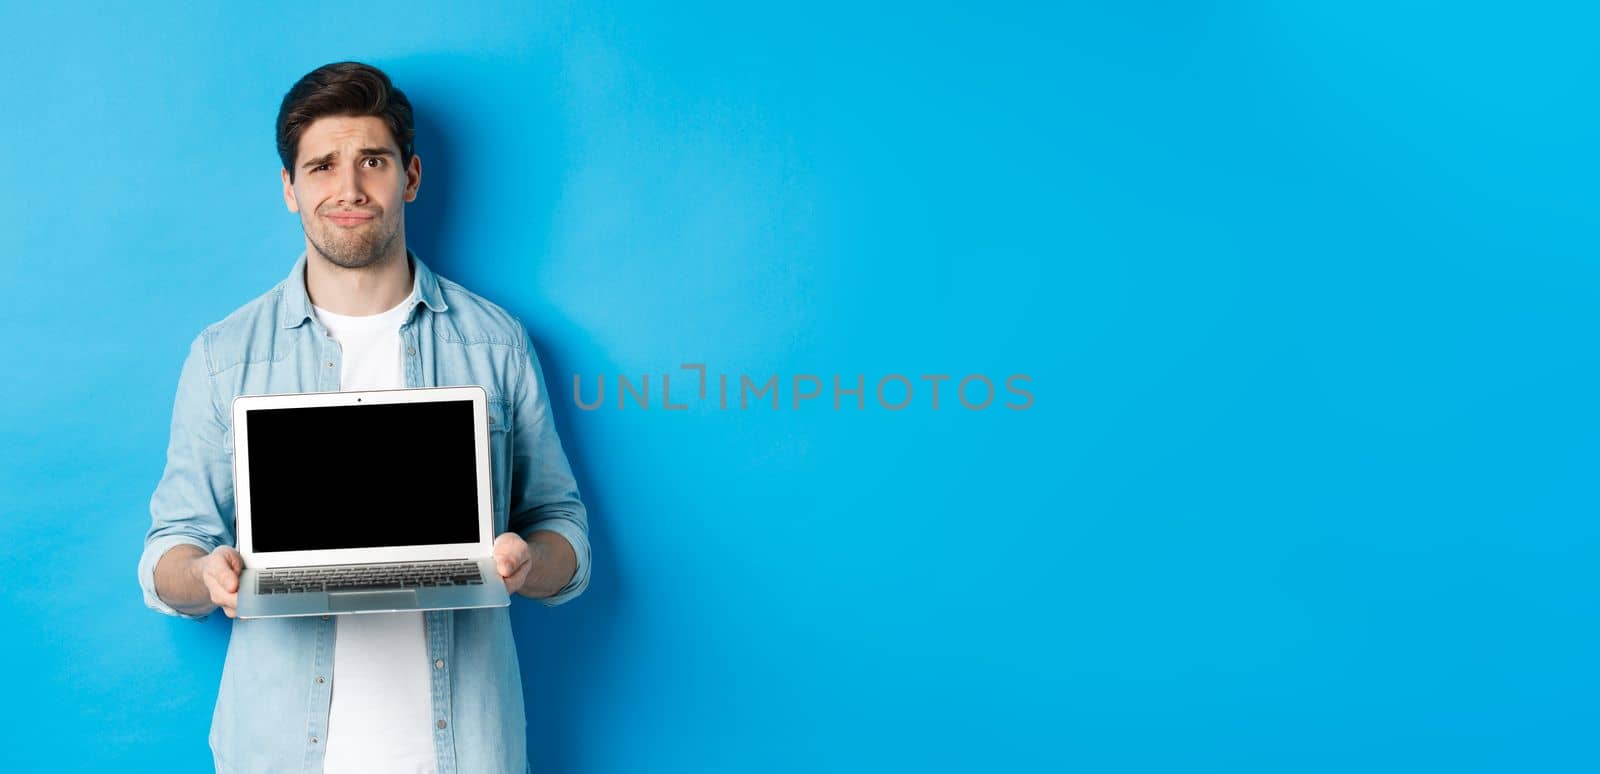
[[297, 304]]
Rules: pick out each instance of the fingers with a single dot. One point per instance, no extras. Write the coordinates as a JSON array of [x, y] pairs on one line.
[[512, 559], [514, 570], [510, 568], [510, 553], [515, 578], [509, 544], [222, 579], [224, 586], [226, 566], [225, 600]]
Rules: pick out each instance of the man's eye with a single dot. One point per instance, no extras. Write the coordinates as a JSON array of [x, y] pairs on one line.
[[319, 167], [376, 160]]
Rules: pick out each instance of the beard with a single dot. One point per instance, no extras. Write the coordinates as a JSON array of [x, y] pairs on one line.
[[356, 248]]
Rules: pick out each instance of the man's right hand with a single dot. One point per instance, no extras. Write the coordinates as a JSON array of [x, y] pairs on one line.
[[219, 571]]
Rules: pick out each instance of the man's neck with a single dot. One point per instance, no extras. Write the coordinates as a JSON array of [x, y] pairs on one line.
[[358, 292]]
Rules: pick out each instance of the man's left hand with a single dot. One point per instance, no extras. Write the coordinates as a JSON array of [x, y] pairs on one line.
[[513, 559]]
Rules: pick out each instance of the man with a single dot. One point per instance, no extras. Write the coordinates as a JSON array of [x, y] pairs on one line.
[[391, 692]]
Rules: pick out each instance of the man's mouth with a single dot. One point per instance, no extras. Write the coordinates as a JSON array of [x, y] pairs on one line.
[[349, 218]]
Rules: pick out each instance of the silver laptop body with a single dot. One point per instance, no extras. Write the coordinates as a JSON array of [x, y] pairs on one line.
[[364, 502]]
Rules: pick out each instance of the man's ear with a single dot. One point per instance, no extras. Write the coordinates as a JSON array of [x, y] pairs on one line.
[[413, 177], [288, 192]]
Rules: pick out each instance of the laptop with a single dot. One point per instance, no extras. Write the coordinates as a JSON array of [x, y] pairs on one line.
[[364, 502]]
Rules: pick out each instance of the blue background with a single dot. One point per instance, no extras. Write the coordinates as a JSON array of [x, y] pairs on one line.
[[1306, 291]]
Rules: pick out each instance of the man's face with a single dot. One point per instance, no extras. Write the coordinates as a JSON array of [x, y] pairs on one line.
[[350, 190]]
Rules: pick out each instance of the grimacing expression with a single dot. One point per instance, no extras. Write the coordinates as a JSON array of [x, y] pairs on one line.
[[350, 189]]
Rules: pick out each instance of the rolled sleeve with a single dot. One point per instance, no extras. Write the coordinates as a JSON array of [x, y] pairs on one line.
[[193, 502], [544, 495]]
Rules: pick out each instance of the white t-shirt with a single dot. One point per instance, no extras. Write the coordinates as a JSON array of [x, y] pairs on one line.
[[381, 714]]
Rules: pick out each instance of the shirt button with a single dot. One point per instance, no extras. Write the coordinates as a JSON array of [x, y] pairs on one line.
[[330, 363], [411, 350], [438, 664], [325, 618], [441, 724], [313, 740], [321, 680]]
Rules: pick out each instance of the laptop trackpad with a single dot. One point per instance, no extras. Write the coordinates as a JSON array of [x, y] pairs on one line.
[[372, 600]]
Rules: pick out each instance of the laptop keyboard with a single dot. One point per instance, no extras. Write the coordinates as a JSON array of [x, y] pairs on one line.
[[370, 576]]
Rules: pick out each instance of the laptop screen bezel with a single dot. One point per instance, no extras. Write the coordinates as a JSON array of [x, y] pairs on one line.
[[244, 404]]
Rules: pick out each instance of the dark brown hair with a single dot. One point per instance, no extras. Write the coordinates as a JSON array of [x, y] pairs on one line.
[[343, 89]]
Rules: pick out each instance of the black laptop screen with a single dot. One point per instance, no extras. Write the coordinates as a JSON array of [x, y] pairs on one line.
[[396, 474]]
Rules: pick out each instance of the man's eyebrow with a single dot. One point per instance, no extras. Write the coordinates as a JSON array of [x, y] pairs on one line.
[[320, 160]]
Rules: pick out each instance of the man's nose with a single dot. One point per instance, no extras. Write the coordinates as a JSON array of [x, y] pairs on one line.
[[350, 191]]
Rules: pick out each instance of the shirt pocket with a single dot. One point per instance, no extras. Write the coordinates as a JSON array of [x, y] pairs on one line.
[[499, 410]]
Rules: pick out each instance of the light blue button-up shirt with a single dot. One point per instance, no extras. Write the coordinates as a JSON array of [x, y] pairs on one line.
[[272, 706]]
